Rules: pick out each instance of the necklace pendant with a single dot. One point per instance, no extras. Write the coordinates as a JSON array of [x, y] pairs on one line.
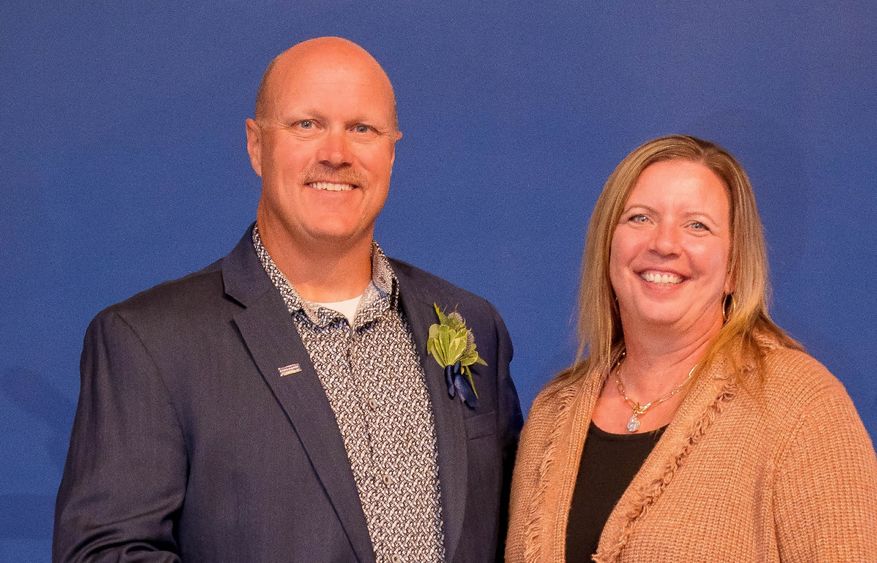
[[633, 423]]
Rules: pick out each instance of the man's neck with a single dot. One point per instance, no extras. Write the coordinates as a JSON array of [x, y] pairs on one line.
[[323, 272]]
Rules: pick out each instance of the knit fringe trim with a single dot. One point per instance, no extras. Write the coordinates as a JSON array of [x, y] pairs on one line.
[[533, 528], [649, 494]]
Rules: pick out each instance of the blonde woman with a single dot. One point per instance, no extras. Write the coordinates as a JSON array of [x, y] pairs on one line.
[[693, 428]]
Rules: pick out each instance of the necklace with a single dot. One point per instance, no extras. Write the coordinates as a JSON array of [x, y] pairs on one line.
[[639, 409]]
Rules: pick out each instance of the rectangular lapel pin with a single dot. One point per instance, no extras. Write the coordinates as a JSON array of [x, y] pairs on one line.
[[289, 370]]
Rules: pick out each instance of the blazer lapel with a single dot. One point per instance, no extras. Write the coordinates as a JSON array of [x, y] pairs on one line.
[[450, 432], [268, 332]]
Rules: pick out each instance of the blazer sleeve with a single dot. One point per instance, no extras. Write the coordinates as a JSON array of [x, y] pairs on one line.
[[509, 424], [125, 475], [826, 483]]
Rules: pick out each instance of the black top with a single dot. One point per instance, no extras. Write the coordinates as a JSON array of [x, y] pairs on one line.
[[609, 463]]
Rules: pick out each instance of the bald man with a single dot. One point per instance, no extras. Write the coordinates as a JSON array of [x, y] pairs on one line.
[[283, 403]]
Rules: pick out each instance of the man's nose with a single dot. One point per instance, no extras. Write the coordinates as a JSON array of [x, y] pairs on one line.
[[334, 149]]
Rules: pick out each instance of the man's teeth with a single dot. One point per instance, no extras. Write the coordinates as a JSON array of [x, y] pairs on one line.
[[656, 277], [331, 186]]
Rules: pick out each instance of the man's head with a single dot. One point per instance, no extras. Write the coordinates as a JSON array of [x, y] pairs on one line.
[[323, 141]]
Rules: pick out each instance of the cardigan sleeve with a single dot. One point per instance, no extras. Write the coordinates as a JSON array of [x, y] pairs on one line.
[[826, 483], [528, 488], [526, 476]]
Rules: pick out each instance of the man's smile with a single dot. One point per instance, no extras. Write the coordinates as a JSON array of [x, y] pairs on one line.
[[331, 186]]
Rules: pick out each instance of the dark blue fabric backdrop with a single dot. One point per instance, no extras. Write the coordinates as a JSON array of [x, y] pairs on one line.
[[123, 164]]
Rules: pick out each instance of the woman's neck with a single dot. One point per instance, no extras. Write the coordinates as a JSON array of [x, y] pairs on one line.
[[657, 361]]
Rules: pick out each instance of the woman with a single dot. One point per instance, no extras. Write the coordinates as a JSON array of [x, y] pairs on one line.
[[695, 429]]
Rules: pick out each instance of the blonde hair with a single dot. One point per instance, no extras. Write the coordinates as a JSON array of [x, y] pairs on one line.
[[601, 339]]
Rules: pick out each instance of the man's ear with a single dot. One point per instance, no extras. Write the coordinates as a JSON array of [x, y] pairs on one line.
[[254, 146], [396, 136]]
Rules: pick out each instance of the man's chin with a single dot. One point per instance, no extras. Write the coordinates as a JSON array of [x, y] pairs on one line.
[[339, 237]]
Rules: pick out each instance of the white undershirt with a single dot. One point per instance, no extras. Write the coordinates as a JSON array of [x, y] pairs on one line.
[[347, 307]]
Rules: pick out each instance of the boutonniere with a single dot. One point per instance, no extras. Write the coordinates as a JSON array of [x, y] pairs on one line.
[[452, 345]]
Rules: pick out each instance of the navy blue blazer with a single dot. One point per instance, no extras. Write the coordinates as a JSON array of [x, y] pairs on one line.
[[189, 445]]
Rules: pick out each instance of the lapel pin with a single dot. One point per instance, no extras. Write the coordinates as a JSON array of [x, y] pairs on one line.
[[289, 370]]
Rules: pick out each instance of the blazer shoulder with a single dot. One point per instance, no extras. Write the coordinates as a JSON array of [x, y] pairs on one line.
[[431, 287], [190, 296]]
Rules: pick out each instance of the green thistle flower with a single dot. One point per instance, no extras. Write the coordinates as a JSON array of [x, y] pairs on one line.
[[450, 341]]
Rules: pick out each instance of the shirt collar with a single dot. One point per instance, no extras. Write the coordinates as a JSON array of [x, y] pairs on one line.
[[381, 294]]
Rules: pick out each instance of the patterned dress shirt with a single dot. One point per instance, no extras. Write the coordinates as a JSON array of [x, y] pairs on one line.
[[375, 384]]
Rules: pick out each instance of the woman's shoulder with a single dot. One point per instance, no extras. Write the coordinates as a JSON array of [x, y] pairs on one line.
[[825, 469], [552, 406], [797, 376], [812, 400], [559, 390]]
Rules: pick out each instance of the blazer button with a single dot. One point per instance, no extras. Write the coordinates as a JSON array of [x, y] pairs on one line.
[[373, 403], [388, 480]]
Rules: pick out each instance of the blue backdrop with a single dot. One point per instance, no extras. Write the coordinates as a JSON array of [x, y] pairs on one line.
[[123, 164]]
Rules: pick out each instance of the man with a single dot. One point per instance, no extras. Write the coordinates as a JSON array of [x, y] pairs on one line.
[[282, 405]]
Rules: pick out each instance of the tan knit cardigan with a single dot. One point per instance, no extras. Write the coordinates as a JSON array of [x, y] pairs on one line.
[[783, 471]]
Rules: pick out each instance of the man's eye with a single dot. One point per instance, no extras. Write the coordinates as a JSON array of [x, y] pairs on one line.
[[362, 128], [303, 125]]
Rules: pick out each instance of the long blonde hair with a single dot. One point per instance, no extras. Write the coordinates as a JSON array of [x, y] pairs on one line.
[[601, 339]]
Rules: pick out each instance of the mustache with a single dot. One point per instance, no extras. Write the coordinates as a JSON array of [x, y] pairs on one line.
[[323, 173]]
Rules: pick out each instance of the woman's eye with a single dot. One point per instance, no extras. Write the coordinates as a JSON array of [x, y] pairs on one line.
[[638, 218], [698, 226]]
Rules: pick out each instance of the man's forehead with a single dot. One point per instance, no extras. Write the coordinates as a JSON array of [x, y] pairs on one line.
[[329, 90]]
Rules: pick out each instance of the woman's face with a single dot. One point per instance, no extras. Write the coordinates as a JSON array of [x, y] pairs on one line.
[[669, 256]]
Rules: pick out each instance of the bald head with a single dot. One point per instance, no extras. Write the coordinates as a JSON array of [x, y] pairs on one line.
[[326, 53]]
